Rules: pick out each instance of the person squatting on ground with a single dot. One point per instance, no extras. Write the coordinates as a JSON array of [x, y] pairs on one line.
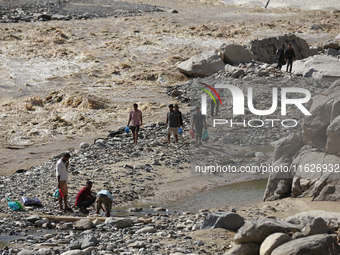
[[62, 177], [289, 57], [280, 57], [174, 122], [104, 201], [136, 121], [84, 198], [198, 121]]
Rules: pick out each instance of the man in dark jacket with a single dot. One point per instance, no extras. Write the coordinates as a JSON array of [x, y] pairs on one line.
[[289, 57], [280, 57]]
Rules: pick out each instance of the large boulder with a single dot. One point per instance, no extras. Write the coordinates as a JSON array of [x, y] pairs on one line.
[[331, 44], [304, 218], [235, 53], [226, 220], [318, 67], [202, 65], [272, 242], [256, 231], [265, 50], [317, 226], [245, 249], [312, 245]]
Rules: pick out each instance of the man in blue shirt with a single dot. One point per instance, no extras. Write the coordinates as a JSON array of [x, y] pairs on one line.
[[104, 201]]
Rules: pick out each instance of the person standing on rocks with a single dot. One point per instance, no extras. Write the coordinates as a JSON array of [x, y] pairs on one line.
[[212, 103], [289, 57], [84, 198], [179, 115], [173, 120], [104, 201], [136, 121], [198, 121], [280, 57], [62, 177]]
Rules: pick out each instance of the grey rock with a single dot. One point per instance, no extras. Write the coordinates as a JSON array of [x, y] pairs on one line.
[[317, 226], [333, 44], [84, 145], [237, 73], [272, 242], [256, 231], [312, 245], [244, 249], [226, 220], [89, 241], [202, 65], [44, 252], [33, 218], [74, 252], [146, 230], [75, 245], [234, 53], [83, 224], [121, 223], [26, 252], [332, 52]]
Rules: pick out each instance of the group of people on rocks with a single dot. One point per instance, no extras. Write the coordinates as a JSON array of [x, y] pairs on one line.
[[285, 55], [84, 197]]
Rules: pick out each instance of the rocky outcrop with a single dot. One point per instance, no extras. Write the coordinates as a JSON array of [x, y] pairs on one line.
[[318, 67], [235, 53], [305, 233], [265, 50], [202, 65], [313, 154], [226, 220]]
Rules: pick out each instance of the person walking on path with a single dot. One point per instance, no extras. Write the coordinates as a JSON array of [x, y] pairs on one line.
[[84, 198], [62, 177], [280, 57], [136, 121], [289, 57], [104, 201], [198, 121], [173, 120], [179, 115]]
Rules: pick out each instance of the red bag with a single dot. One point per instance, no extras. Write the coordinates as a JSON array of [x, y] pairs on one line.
[[191, 132], [61, 193]]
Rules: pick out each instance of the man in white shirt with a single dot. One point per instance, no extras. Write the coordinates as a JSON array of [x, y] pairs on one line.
[[62, 177], [104, 201]]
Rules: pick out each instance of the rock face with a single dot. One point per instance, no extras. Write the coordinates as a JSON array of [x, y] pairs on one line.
[[258, 230], [265, 50], [318, 67], [228, 220], [234, 53], [317, 146], [312, 245], [202, 65]]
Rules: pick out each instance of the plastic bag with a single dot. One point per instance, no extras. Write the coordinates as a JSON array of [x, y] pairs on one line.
[[61, 193], [180, 131], [21, 208], [30, 201], [205, 135], [56, 193], [13, 205], [191, 132], [127, 129]]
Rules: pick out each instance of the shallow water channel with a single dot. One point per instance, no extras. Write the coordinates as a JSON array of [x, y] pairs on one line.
[[248, 192]]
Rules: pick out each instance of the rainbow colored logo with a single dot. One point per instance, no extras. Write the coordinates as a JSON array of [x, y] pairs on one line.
[[209, 93]]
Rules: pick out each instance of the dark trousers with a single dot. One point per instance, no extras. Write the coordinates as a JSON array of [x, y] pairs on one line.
[[85, 203], [213, 106], [289, 65], [279, 63]]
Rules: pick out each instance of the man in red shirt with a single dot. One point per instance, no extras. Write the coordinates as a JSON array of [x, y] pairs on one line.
[[84, 198]]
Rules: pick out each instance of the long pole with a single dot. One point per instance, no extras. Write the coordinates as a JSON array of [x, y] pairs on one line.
[[267, 4]]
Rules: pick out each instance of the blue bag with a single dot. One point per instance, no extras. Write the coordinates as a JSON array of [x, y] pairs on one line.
[[180, 131], [205, 135], [127, 129], [14, 206], [56, 193]]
